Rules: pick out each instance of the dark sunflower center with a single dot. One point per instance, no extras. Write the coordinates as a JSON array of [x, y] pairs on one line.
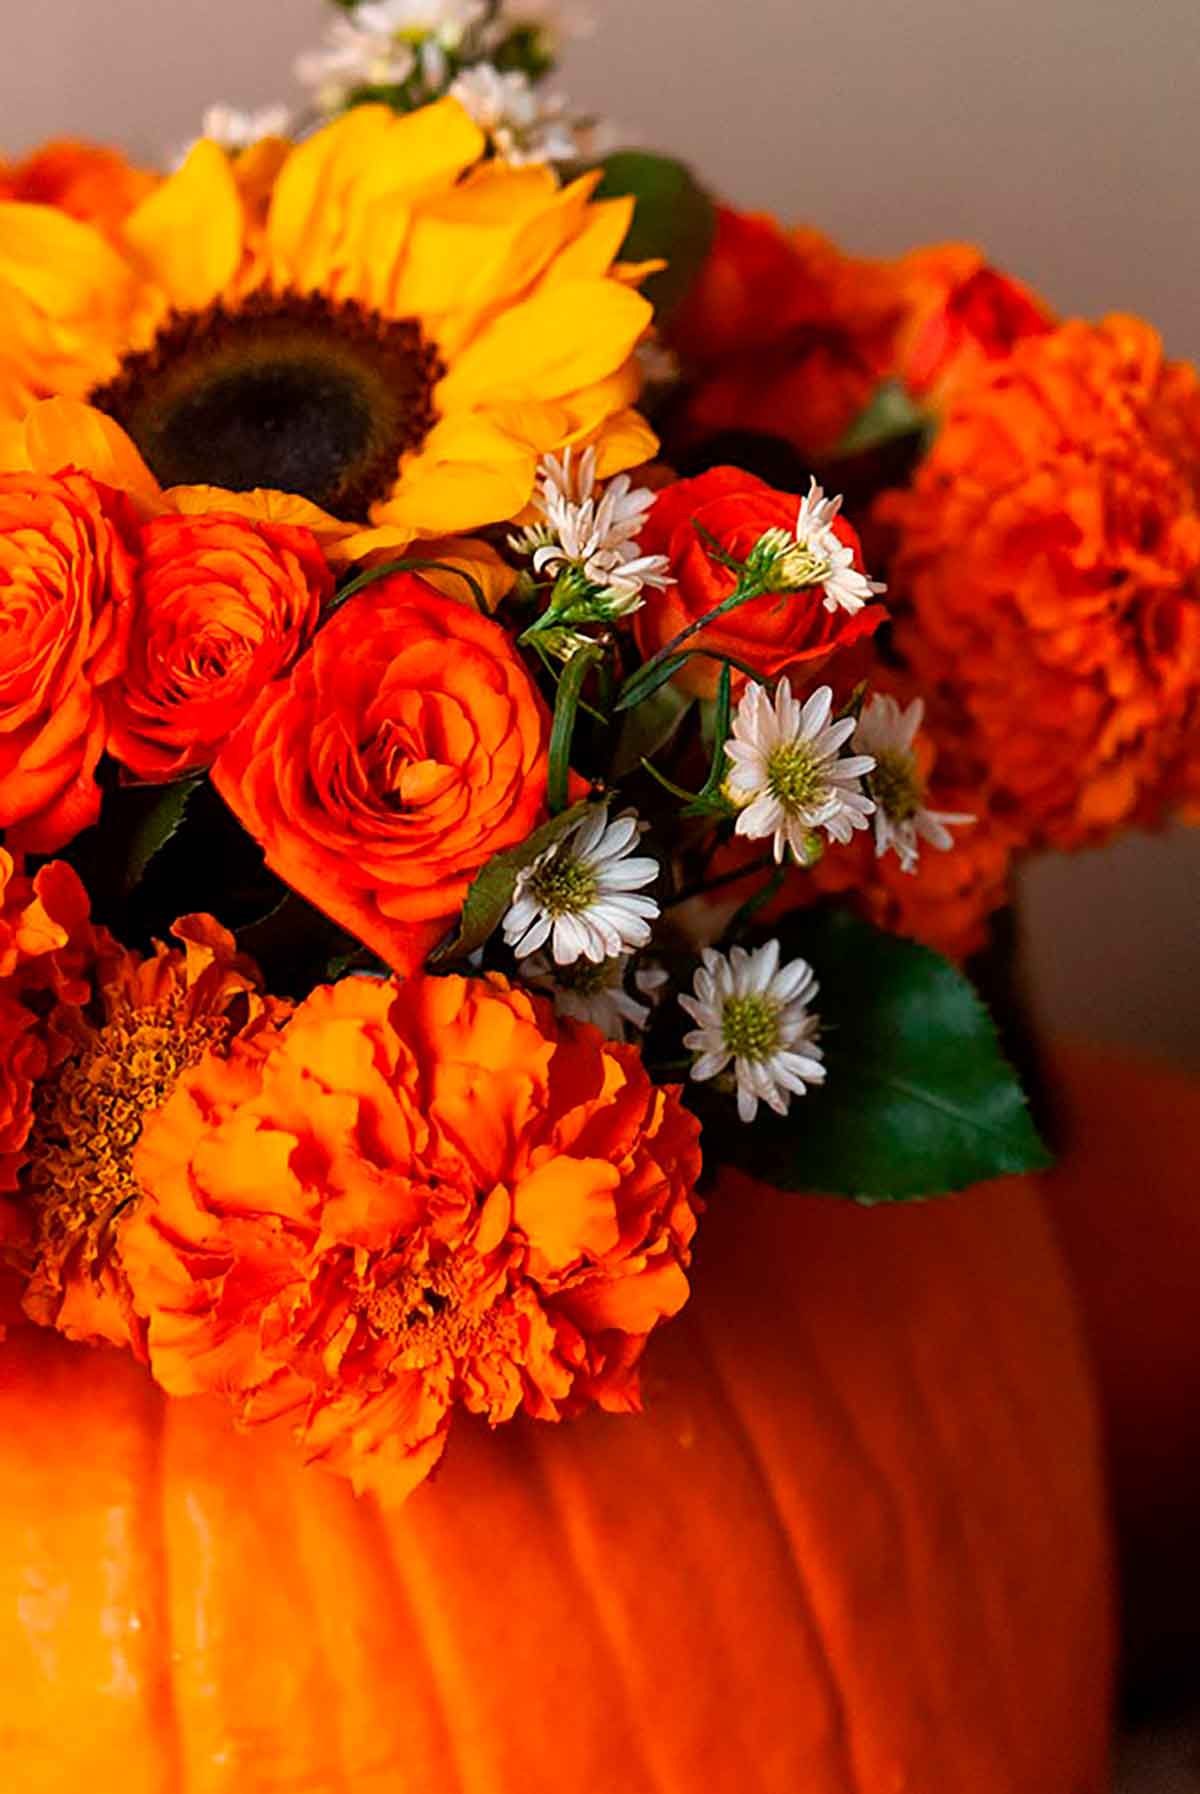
[[295, 393]]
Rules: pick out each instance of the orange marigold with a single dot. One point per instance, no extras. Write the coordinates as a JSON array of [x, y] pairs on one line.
[[224, 606], [112, 1064], [66, 575], [1048, 581], [406, 1200], [784, 335], [960, 315], [23, 1059], [46, 940], [87, 180]]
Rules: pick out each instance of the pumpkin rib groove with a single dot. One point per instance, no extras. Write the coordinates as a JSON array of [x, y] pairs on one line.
[[383, 1558], [169, 1719], [841, 1735], [450, 1680], [543, 1456]]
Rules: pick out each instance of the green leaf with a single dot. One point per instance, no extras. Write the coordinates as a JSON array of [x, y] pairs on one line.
[[409, 564], [491, 891], [675, 220], [566, 708], [154, 815], [919, 1099], [890, 415]]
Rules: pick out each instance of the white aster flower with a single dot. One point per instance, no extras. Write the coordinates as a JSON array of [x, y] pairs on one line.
[[590, 543], [596, 993], [582, 895], [896, 783], [790, 778], [447, 20], [522, 124], [815, 555], [755, 1013], [354, 58]]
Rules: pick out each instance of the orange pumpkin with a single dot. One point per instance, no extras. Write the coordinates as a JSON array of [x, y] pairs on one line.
[[1126, 1199], [856, 1546]]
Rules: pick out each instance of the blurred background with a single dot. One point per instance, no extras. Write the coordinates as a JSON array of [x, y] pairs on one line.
[[1062, 134]]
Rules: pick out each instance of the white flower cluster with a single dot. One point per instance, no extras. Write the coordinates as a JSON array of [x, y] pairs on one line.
[[448, 46], [814, 554], [588, 541]]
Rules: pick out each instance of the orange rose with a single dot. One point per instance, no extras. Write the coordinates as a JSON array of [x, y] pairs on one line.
[[86, 180], [66, 576], [962, 315], [405, 749], [406, 1201], [1048, 571], [224, 606], [783, 335], [774, 634]]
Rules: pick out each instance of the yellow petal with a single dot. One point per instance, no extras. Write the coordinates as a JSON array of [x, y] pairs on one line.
[[567, 337], [376, 546], [470, 473], [595, 248], [190, 232], [326, 216], [64, 268], [62, 433], [625, 441], [262, 505]]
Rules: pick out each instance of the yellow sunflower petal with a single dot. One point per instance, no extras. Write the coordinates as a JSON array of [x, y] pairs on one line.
[[481, 244], [62, 433], [470, 473], [624, 441], [325, 217], [67, 270], [189, 233], [566, 337], [264, 506], [596, 247]]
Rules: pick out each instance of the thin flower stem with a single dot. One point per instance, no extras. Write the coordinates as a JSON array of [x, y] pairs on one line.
[[725, 878], [742, 593]]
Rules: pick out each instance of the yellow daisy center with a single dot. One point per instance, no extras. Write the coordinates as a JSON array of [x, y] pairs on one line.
[[289, 392], [750, 1027], [895, 785]]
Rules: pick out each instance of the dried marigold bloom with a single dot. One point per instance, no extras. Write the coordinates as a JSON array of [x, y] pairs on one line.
[[407, 1200], [1047, 581], [112, 1064]]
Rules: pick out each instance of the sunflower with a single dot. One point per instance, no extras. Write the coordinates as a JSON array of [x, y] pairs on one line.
[[378, 324]]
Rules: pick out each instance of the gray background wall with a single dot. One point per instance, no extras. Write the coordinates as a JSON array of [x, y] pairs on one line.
[[1064, 134]]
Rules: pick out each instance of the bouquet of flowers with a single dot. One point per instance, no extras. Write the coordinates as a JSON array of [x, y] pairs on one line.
[[512, 673]]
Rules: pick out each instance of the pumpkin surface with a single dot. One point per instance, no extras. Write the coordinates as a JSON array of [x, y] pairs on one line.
[[856, 1546], [1126, 1200]]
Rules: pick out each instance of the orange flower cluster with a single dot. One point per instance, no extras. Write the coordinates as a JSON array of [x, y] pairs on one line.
[[401, 1202], [84, 1067], [783, 335], [406, 748], [85, 180], [149, 639], [1048, 580]]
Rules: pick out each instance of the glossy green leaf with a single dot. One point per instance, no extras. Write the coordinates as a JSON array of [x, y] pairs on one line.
[[491, 891], [890, 414], [919, 1099], [562, 732], [153, 815], [675, 220]]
